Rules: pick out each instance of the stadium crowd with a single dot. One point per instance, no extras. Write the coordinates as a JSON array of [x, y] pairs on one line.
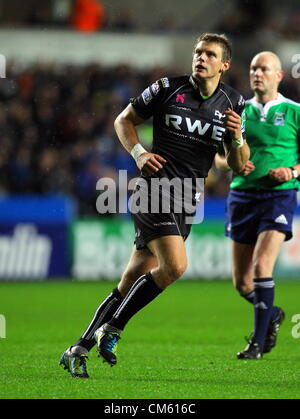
[[261, 18], [57, 134]]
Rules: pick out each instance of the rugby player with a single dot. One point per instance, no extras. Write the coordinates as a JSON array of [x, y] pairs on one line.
[[262, 199], [192, 116]]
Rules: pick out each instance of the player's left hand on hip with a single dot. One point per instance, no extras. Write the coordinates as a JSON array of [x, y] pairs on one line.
[[281, 174], [233, 124], [150, 163]]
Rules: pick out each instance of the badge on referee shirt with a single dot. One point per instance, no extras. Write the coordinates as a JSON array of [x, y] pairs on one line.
[[279, 118]]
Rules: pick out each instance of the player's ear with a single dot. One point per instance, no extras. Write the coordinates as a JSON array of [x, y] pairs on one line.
[[225, 66]]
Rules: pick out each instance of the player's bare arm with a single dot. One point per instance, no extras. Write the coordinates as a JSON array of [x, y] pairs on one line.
[[237, 153], [125, 124], [221, 164]]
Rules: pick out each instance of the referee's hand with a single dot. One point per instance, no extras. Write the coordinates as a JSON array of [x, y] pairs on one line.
[[281, 174], [150, 163]]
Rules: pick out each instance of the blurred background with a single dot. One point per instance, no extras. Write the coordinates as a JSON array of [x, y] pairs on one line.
[[71, 67]]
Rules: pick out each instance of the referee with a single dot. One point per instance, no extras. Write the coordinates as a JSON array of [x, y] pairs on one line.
[[263, 198], [192, 116]]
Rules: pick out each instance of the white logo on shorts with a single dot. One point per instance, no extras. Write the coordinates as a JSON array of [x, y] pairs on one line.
[[281, 219]]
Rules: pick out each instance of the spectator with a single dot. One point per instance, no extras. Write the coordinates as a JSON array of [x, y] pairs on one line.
[[87, 15]]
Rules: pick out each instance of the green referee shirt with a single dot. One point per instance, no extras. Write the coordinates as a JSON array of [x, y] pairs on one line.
[[273, 134]]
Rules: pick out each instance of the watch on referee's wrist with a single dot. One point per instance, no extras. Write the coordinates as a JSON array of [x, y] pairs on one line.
[[295, 173]]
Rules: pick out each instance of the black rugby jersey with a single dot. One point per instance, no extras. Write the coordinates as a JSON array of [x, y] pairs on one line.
[[187, 129]]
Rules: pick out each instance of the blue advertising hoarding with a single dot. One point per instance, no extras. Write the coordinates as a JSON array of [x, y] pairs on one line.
[[34, 237]]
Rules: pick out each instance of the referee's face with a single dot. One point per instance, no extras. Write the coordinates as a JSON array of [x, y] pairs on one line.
[[265, 73], [208, 61]]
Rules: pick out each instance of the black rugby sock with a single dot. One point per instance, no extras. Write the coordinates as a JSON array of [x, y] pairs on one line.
[[141, 293], [263, 308], [104, 312], [250, 298]]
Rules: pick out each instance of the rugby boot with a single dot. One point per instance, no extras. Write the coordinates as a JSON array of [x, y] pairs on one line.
[[273, 330], [74, 361], [252, 351], [107, 338]]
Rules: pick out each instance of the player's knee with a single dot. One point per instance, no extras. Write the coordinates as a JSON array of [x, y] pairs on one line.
[[177, 270]]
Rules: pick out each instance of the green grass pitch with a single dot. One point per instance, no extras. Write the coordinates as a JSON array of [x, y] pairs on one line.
[[182, 346]]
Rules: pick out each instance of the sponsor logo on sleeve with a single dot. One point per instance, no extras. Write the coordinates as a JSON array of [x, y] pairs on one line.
[[165, 82], [155, 87], [147, 96]]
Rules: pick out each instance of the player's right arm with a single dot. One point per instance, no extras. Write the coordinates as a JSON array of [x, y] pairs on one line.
[[237, 151], [221, 164], [125, 126]]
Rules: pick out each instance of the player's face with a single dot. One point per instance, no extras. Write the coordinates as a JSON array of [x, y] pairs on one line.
[[207, 61], [264, 74]]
